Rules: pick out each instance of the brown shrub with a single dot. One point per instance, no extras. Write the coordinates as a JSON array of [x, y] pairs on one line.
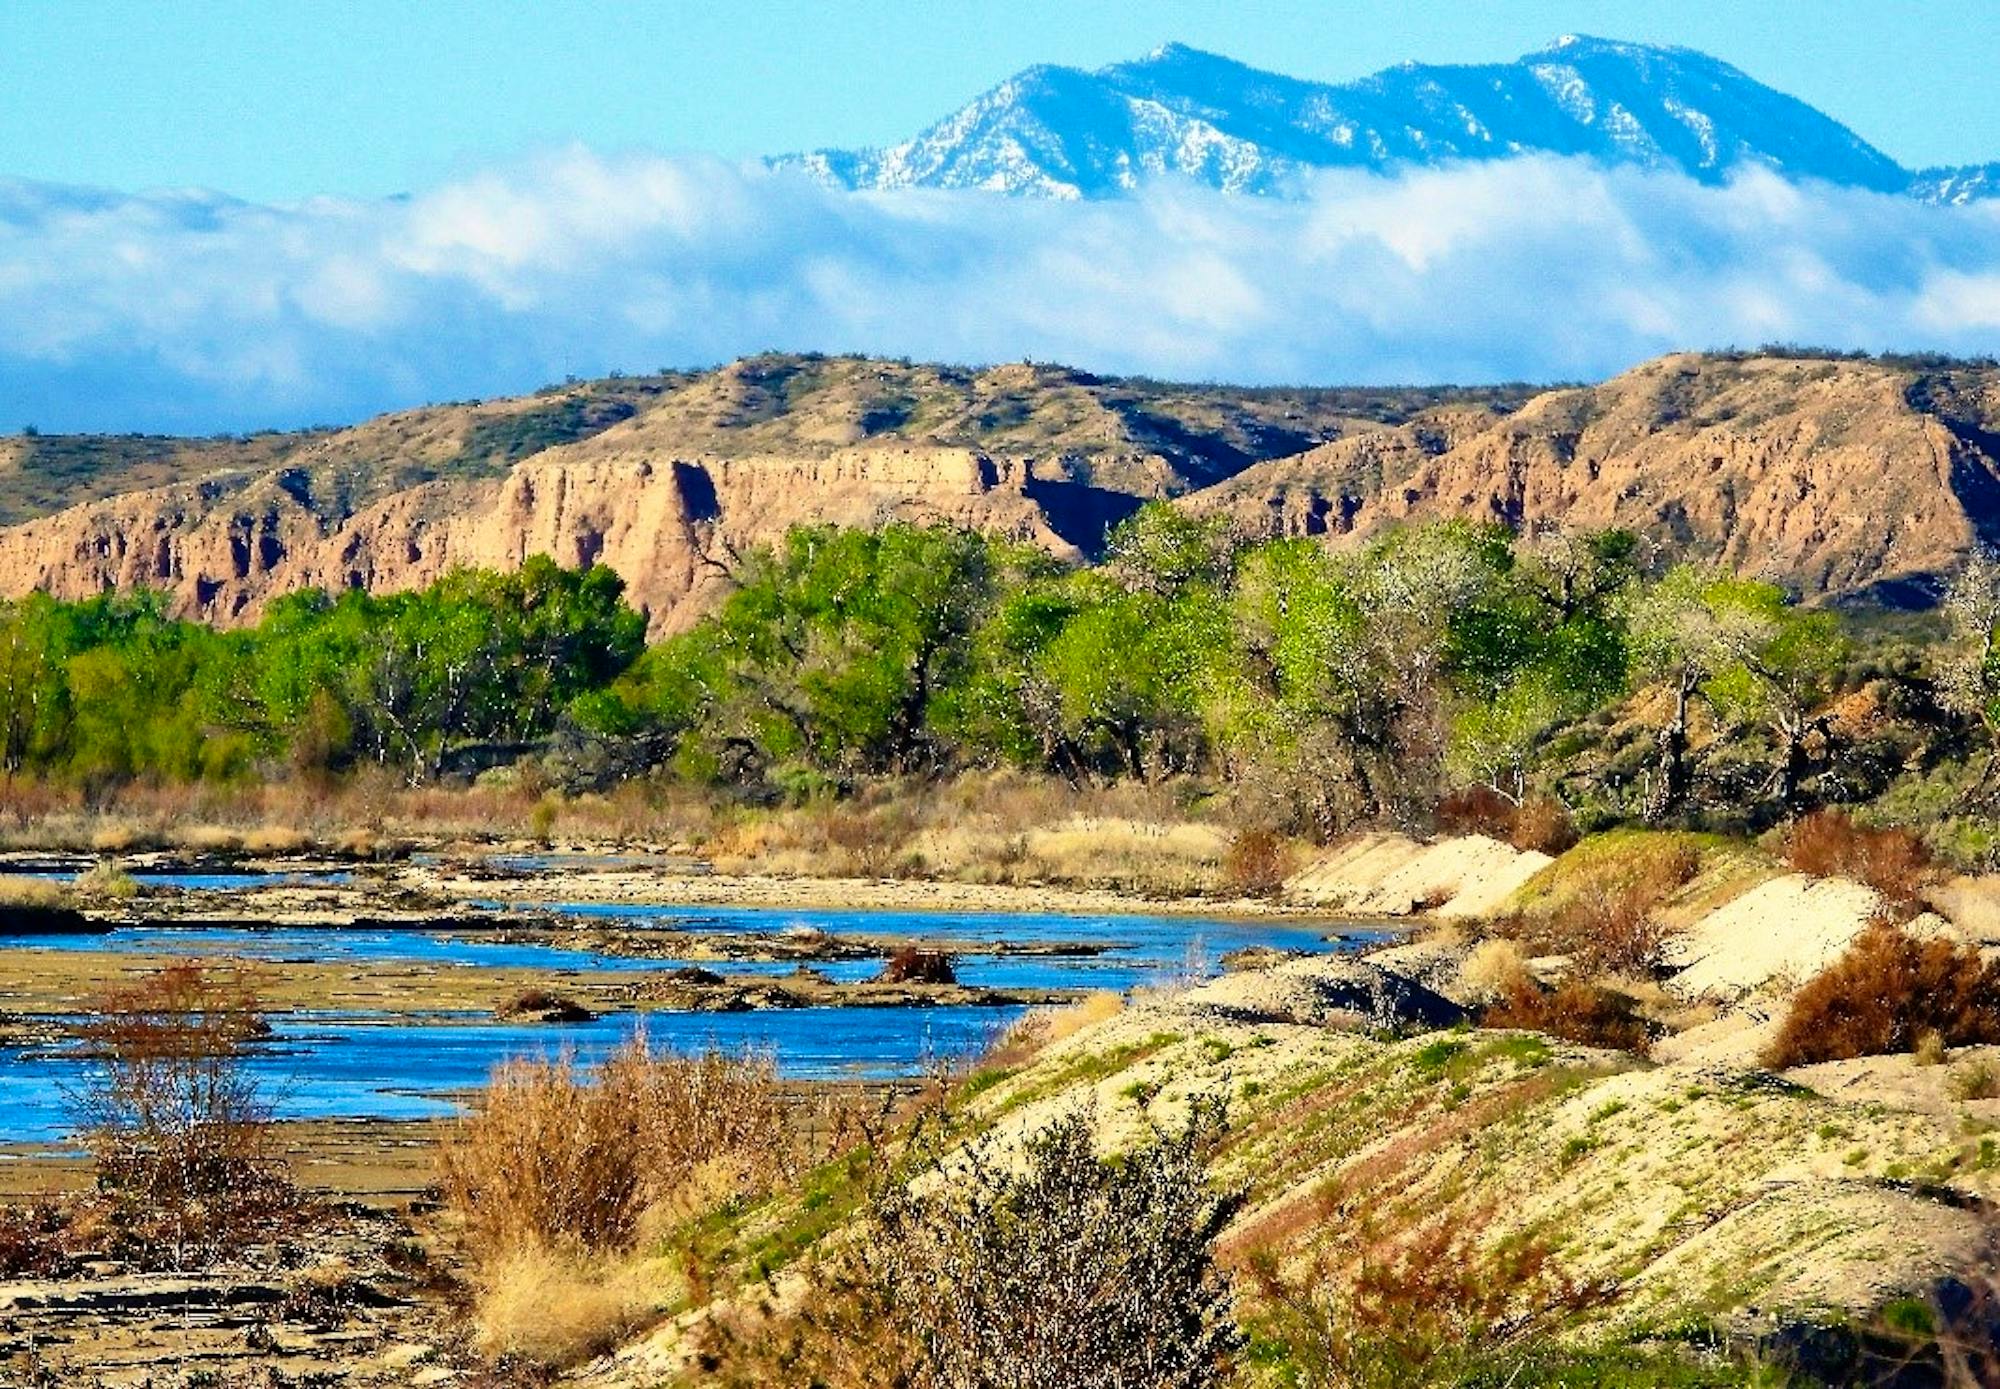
[[543, 1005], [177, 1126], [909, 965], [1611, 923], [1543, 824], [1476, 810], [37, 1239], [549, 1158], [1257, 863], [1886, 992], [1575, 1011], [1827, 844], [1602, 929]]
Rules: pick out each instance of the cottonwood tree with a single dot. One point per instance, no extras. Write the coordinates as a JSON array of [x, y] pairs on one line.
[[1542, 642], [1969, 675], [1738, 644]]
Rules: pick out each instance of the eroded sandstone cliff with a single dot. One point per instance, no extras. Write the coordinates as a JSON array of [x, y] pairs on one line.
[[1839, 478], [1844, 479]]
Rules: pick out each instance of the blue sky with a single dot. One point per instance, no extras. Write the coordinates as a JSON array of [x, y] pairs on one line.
[[575, 196], [282, 99]]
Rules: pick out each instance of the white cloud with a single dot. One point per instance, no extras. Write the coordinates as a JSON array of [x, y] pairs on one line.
[[188, 310]]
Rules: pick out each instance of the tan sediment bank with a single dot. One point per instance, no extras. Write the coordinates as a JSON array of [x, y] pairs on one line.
[[65, 983], [645, 887]]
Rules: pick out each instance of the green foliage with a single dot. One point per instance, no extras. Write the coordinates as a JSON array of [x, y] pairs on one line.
[[112, 688], [1328, 687]]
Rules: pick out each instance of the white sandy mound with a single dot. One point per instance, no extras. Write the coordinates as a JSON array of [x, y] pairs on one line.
[[1786, 930], [1972, 905], [1733, 1041], [1324, 991], [1351, 870], [1901, 1082], [1390, 875], [1489, 873]]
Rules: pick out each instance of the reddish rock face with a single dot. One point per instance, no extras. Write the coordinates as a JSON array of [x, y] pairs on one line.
[[1836, 478], [1839, 479]]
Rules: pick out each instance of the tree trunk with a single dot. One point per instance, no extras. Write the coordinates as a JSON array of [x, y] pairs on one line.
[[1669, 788]]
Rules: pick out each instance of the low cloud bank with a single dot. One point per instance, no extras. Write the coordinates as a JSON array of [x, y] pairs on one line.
[[195, 312]]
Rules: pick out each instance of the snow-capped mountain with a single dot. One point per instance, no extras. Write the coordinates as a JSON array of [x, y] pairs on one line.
[[1065, 133], [1967, 183]]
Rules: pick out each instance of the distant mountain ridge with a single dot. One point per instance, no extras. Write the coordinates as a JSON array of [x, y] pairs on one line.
[[1847, 480], [1067, 133]]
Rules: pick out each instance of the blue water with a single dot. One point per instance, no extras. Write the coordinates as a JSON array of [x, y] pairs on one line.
[[217, 882], [1138, 949], [381, 1067], [362, 1066]]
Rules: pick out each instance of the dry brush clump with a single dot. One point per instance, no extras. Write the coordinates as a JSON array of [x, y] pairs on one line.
[[1046, 1268], [1540, 823], [553, 1156], [1885, 994], [1574, 1010], [1258, 862], [1895, 862], [557, 1174], [1612, 923], [177, 1126], [911, 964]]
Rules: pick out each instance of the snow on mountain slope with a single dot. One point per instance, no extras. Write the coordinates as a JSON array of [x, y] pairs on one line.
[[1952, 187], [1065, 133]]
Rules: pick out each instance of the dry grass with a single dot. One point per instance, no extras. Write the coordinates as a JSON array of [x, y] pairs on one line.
[[983, 827], [1930, 1049], [32, 892], [558, 1176], [1975, 1080], [115, 838], [369, 807], [1491, 968], [1042, 1028], [106, 881], [1895, 862], [557, 1310], [553, 1158], [1003, 828], [1884, 994], [1663, 864], [207, 839], [276, 840]]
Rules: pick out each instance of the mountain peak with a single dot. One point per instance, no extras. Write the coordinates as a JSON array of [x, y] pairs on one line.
[[1183, 112]]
